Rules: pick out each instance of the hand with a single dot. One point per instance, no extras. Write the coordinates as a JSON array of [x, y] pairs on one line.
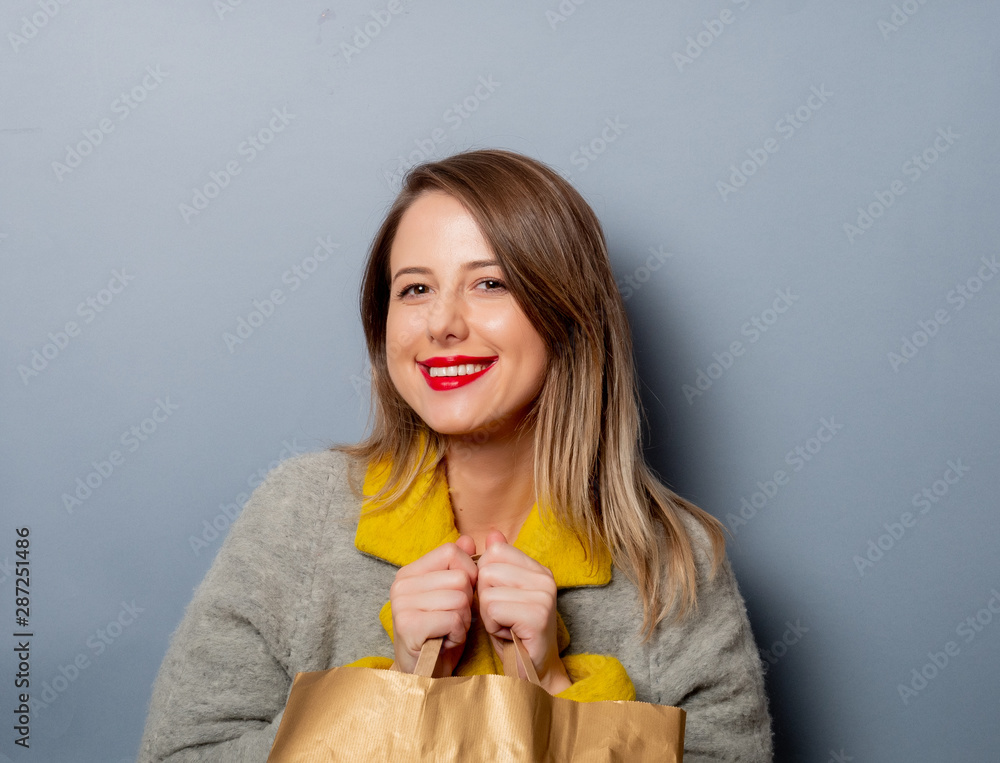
[[518, 594], [432, 597]]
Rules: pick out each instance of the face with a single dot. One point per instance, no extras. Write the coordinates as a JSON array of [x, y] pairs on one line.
[[459, 349]]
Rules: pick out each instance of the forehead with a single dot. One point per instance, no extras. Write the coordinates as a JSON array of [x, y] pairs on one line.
[[436, 224]]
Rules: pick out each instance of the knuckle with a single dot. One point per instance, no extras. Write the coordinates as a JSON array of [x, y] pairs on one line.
[[457, 626], [491, 609], [488, 557], [547, 585], [402, 622], [458, 579], [452, 552]]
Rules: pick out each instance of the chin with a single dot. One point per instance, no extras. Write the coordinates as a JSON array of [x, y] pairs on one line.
[[452, 428]]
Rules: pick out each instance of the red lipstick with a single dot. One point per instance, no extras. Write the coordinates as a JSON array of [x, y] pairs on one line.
[[443, 383]]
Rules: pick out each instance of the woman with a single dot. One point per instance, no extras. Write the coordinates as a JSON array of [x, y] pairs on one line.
[[506, 424]]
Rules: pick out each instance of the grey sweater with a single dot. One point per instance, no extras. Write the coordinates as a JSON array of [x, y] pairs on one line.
[[289, 592]]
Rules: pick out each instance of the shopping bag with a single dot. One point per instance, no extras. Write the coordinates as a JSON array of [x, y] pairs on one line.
[[366, 714]]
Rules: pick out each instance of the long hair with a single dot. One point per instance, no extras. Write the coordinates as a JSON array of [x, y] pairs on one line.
[[589, 466]]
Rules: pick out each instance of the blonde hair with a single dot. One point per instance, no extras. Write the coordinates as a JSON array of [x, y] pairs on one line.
[[589, 465]]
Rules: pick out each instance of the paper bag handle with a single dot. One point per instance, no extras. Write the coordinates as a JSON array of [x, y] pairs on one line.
[[515, 656], [428, 658]]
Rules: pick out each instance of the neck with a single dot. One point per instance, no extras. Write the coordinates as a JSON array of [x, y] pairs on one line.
[[491, 485]]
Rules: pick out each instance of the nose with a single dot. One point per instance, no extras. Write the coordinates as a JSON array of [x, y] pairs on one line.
[[446, 317]]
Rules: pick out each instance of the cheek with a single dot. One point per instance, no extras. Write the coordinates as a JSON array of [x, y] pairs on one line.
[[532, 344], [535, 355], [542, 369], [398, 336]]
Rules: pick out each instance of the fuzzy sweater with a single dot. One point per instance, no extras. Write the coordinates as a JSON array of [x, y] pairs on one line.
[[297, 587]]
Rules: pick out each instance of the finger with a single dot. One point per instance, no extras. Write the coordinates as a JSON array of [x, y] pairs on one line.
[[501, 635], [467, 544], [505, 575], [538, 640], [420, 626], [509, 607], [432, 601], [508, 554], [527, 613], [445, 557], [495, 537], [437, 580]]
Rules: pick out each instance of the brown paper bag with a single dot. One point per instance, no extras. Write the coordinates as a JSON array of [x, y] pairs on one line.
[[364, 714]]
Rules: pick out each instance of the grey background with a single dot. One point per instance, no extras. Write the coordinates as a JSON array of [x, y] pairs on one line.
[[557, 72]]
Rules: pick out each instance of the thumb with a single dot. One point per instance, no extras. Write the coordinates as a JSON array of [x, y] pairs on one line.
[[494, 537], [467, 544]]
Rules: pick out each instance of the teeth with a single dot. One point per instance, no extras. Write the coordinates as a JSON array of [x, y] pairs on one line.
[[459, 370]]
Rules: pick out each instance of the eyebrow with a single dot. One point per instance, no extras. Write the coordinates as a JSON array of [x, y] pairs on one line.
[[471, 265]]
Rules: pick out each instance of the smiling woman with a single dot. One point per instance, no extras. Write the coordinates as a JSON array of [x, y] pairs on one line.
[[501, 492]]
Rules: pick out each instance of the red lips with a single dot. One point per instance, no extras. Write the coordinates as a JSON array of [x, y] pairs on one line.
[[443, 383]]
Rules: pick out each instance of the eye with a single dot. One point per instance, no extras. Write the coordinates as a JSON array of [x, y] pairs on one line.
[[416, 288], [492, 284]]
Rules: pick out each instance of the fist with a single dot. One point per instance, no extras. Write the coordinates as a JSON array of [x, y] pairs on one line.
[[432, 597], [518, 594]]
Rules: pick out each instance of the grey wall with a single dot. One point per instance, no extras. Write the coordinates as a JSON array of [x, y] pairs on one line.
[[800, 200]]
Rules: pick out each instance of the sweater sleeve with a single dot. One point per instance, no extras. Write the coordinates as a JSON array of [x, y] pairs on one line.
[[224, 681], [709, 666]]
